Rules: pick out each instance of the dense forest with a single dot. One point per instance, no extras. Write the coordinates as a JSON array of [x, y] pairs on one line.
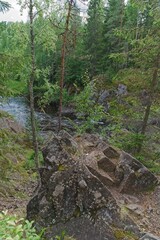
[[112, 53], [100, 58]]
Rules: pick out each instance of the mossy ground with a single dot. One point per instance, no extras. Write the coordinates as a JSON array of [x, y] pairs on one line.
[[121, 234], [16, 161]]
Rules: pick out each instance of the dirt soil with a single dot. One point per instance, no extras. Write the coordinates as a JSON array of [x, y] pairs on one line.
[[143, 208], [150, 221], [16, 200]]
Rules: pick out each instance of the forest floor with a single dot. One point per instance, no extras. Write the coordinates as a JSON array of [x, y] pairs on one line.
[[143, 208], [17, 180], [150, 219], [15, 202]]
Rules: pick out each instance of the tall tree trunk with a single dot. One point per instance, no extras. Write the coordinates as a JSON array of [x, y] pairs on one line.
[[63, 54], [151, 98], [137, 28], [31, 82]]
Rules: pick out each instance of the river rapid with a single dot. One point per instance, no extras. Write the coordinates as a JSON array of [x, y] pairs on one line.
[[19, 108]]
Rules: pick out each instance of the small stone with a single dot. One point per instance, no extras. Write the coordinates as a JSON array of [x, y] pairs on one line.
[[139, 212], [135, 208], [150, 209], [82, 184], [145, 221], [132, 207], [140, 224], [97, 195], [58, 190], [158, 212], [122, 202]]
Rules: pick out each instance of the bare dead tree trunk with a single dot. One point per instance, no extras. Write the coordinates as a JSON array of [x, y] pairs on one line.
[[63, 54], [151, 99], [31, 82]]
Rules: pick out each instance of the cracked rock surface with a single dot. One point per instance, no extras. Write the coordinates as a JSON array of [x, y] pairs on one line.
[[81, 182]]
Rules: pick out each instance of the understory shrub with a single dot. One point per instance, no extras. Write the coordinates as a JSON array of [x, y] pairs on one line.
[[89, 112], [13, 228]]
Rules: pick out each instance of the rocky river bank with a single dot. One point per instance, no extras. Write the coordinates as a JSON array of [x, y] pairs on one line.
[[88, 188]]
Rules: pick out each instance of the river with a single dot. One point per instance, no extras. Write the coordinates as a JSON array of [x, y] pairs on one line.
[[18, 107]]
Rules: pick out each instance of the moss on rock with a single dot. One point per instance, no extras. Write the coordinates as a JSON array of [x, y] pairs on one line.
[[121, 234]]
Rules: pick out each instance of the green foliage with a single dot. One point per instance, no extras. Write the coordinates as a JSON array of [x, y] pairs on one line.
[[75, 71], [11, 154], [15, 51], [13, 62], [121, 234], [63, 236], [4, 6], [143, 54], [15, 88], [93, 37], [5, 114], [13, 228], [14, 158], [51, 94], [119, 41], [152, 165], [114, 20], [88, 110], [125, 140], [29, 163]]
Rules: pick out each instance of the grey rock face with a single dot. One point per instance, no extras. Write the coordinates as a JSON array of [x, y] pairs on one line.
[[75, 190], [103, 99], [122, 89], [69, 112], [103, 96], [136, 177]]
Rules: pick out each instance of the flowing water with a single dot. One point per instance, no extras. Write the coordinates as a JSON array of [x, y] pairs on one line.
[[18, 107]]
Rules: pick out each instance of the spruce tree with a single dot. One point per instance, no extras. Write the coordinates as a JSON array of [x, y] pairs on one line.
[[94, 36], [114, 19]]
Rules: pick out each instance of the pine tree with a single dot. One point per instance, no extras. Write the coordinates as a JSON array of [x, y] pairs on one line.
[[4, 6]]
